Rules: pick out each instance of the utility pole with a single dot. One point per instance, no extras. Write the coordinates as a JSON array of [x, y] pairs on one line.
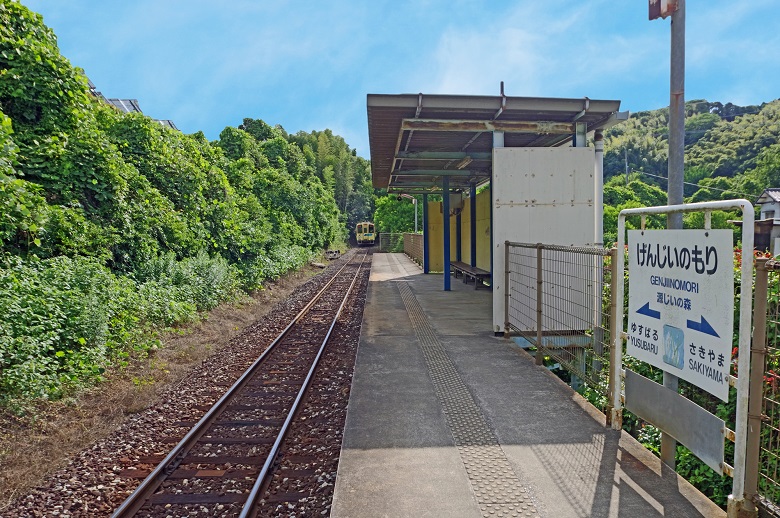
[[676, 169], [674, 189], [626, 158], [414, 202], [677, 114]]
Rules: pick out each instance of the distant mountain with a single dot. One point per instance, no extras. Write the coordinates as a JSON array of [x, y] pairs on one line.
[[730, 151]]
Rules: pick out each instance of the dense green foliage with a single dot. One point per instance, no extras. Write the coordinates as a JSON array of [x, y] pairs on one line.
[[65, 318], [394, 215], [341, 170], [730, 152], [113, 225], [721, 140]]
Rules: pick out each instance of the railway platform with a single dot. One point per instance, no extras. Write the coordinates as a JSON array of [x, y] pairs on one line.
[[447, 420]]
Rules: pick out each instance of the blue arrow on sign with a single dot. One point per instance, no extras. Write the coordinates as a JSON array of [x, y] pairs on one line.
[[703, 327], [646, 311]]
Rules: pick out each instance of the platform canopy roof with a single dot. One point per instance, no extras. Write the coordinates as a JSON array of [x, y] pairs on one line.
[[416, 139]]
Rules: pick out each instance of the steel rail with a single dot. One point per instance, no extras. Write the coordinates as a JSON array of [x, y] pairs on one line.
[[152, 482], [250, 506]]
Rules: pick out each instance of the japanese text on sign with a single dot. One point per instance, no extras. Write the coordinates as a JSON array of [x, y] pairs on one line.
[[704, 261]]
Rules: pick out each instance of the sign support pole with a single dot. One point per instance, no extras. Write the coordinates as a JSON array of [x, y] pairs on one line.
[[676, 169]]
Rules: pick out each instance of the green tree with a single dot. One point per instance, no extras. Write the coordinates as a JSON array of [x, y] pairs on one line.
[[732, 148], [393, 215], [698, 125], [767, 171]]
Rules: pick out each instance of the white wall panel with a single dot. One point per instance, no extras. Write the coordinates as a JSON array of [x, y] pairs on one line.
[[540, 195]]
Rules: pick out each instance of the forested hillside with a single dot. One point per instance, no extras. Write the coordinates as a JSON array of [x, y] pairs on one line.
[[730, 152], [113, 225]]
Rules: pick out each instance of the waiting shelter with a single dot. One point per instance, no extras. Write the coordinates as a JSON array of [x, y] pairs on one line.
[[528, 157]]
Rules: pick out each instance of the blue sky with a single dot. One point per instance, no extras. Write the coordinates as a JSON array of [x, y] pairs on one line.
[[308, 64]]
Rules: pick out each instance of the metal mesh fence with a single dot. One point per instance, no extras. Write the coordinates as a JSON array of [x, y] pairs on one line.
[[559, 302], [769, 457], [521, 309], [413, 247], [391, 242]]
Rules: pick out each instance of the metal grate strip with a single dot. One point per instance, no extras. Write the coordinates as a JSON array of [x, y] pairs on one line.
[[497, 488]]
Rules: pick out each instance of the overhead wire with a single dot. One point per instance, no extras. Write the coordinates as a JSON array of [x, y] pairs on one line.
[[698, 185]]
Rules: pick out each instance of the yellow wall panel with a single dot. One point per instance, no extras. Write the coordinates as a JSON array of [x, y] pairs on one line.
[[436, 233]]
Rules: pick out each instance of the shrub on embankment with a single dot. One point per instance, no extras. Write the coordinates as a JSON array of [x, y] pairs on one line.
[[112, 226]]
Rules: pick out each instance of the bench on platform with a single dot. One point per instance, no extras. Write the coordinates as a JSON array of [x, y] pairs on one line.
[[466, 271]]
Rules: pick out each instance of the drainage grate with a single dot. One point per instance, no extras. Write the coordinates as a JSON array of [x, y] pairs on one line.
[[497, 488]]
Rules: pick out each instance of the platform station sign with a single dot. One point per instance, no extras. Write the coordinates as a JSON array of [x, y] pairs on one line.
[[681, 304]]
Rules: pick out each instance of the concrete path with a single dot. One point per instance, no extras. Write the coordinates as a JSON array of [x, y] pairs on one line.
[[447, 420]]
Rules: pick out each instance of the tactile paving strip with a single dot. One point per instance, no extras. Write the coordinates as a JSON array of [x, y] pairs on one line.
[[393, 262], [496, 486]]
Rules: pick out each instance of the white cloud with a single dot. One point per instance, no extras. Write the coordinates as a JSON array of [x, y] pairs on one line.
[[475, 63], [543, 50]]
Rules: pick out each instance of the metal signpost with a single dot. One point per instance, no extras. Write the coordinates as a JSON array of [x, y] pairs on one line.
[[677, 287]]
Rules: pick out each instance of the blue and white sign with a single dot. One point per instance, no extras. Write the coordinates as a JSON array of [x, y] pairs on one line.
[[681, 304]]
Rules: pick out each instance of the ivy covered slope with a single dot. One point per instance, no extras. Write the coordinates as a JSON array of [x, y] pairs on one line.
[[730, 152], [112, 225]]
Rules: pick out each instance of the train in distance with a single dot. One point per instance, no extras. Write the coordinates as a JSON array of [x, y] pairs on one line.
[[364, 233]]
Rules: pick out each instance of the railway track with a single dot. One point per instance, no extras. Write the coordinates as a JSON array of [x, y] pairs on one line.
[[224, 464]]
